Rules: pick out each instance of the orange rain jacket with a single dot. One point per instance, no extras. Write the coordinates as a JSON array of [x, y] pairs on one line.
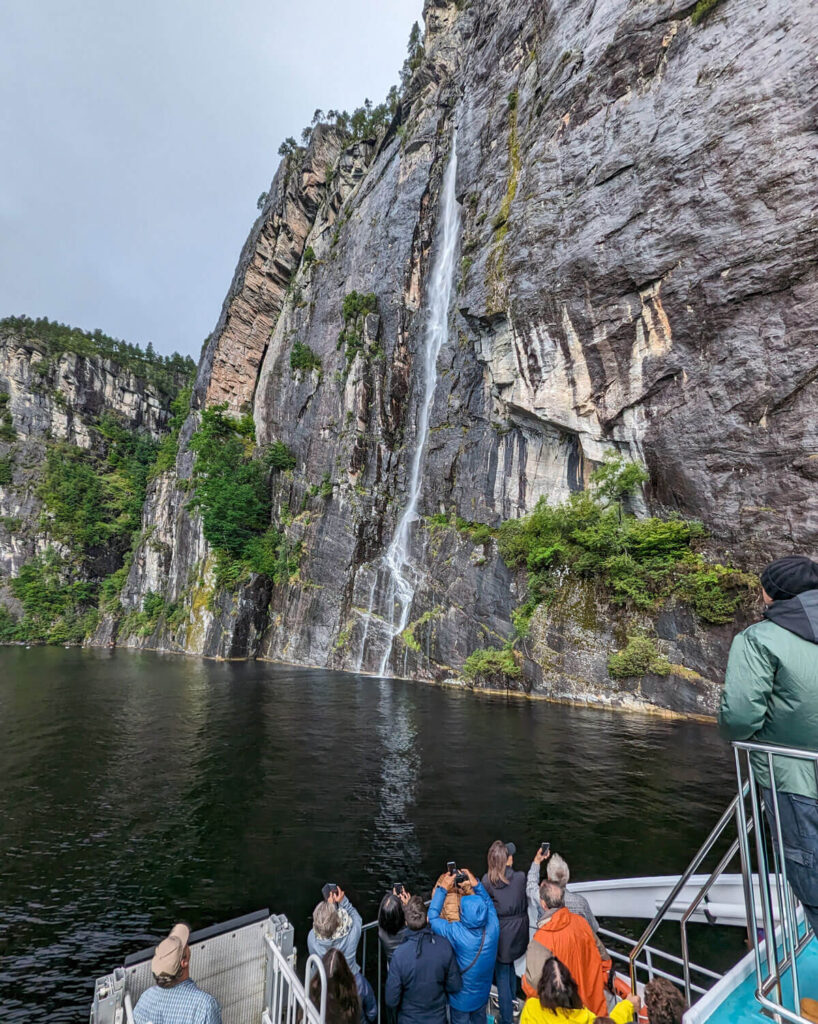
[[569, 938]]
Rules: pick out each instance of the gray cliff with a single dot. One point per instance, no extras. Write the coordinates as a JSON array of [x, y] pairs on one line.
[[636, 273], [52, 399]]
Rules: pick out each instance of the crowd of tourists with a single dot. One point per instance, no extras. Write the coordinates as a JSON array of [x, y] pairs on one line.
[[442, 958]]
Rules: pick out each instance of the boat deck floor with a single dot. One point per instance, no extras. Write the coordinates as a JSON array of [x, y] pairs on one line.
[[740, 1006]]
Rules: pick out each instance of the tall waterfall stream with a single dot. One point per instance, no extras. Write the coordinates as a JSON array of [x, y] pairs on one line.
[[396, 563]]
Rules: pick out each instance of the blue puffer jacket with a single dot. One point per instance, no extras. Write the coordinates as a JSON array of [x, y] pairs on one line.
[[477, 916]]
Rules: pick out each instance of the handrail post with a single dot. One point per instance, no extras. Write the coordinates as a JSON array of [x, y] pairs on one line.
[[704, 849], [785, 912]]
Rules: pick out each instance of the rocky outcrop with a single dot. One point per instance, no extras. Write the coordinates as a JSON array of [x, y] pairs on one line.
[[637, 274], [57, 399]]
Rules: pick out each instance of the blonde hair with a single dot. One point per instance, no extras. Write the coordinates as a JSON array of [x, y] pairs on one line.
[[497, 862]]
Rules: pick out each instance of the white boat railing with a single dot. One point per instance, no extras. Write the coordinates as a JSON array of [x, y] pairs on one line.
[[286, 1000], [780, 930], [248, 965]]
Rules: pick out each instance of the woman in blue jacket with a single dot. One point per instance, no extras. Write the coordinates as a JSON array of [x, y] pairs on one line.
[[474, 938]]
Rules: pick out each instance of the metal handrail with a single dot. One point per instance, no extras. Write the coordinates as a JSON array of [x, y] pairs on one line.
[[287, 1000], [716, 833], [715, 874], [769, 966], [654, 951]]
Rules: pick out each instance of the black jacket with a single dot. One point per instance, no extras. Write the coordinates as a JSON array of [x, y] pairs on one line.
[[511, 904], [422, 975], [391, 942]]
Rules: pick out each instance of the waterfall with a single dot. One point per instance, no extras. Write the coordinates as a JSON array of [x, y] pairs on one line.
[[402, 576]]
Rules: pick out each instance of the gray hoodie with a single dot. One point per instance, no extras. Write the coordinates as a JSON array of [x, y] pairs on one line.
[[345, 938]]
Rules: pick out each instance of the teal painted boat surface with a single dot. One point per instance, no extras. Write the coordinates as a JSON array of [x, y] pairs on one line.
[[733, 1000]]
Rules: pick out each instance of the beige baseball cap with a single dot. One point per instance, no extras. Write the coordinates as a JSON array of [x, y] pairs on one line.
[[167, 957]]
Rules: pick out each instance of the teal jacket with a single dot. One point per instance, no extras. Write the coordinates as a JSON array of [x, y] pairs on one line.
[[771, 690]]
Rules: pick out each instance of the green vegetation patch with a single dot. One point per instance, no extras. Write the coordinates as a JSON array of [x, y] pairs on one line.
[[641, 563], [409, 636], [169, 446], [493, 665], [351, 339], [639, 657], [142, 622], [58, 608], [233, 494], [7, 431], [302, 357], [478, 533], [6, 470], [702, 9], [92, 499]]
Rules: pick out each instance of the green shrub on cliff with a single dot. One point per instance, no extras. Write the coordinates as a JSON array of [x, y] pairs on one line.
[[7, 431], [143, 621], [640, 562], [639, 657], [6, 470], [702, 9], [302, 357], [169, 446], [279, 457], [92, 498], [355, 310], [233, 495], [232, 492], [492, 665], [57, 607]]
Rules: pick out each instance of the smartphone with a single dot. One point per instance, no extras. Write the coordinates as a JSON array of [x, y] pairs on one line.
[[545, 848], [451, 867], [329, 890], [397, 888]]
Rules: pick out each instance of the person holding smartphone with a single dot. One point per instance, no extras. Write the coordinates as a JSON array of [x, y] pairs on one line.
[[507, 889], [532, 885], [391, 921], [336, 924], [474, 939]]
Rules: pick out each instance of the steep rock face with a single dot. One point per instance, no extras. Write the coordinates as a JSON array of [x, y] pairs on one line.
[[58, 399], [637, 274]]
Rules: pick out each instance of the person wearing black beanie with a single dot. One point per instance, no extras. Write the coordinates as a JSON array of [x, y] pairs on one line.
[[771, 696], [789, 577]]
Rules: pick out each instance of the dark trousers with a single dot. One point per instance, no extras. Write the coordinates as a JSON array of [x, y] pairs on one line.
[[506, 981], [799, 830], [467, 1016]]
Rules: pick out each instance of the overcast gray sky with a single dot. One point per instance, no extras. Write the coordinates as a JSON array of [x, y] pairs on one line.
[[135, 138]]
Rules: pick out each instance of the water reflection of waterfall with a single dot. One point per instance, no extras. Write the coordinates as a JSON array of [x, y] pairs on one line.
[[401, 576], [396, 842]]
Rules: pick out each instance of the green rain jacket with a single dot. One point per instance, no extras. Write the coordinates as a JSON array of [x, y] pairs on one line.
[[771, 690]]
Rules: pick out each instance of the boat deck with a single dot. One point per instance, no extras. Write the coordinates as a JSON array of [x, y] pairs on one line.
[[740, 1006]]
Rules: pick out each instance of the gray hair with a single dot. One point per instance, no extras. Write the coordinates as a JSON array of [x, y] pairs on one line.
[[552, 895], [325, 920], [557, 870]]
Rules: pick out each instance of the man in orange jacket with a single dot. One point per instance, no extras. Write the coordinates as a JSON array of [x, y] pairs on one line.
[[568, 937]]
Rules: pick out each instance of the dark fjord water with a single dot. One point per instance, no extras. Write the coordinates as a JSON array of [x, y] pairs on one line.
[[136, 789]]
